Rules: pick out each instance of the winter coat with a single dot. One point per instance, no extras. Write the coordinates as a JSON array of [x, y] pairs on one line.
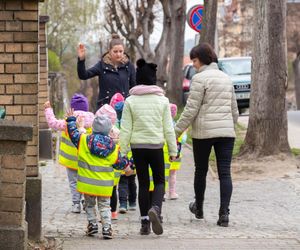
[[111, 80], [146, 120], [211, 107]]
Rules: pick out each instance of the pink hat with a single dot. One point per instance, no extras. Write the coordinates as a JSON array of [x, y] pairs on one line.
[[173, 108], [116, 98], [109, 111]]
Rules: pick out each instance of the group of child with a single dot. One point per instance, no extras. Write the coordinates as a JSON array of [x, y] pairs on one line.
[[95, 167]]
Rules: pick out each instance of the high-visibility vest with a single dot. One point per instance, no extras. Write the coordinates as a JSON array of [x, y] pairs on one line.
[[175, 165], [95, 175], [67, 151]]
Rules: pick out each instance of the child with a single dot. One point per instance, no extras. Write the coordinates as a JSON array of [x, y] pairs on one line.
[[67, 151], [175, 165], [127, 186], [146, 125], [98, 156], [114, 134]]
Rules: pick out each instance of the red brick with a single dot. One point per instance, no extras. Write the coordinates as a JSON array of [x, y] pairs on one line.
[[13, 47], [6, 15], [6, 37], [43, 87], [25, 36], [25, 99], [5, 78], [13, 161], [30, 26], [10, 218], [30, 89], [26, 15], [1, 68], [14, 89], [12, 175], [30, 5], [13, 110], [30, 68], [31, 160], [26, 78], [12, 190], [13, 5], [43, 94], [31, 119], [6, 58], [1, 47], [11, 204], [2, 26], [6, 99], [26, 58], [30, 47], [13, 68], [32, 170], [31, 150], [2, 5], [2, 89], [13, 26], [44, 69]]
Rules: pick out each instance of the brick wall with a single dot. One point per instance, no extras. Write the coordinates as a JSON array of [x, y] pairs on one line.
[[19, 68], [43, 95]]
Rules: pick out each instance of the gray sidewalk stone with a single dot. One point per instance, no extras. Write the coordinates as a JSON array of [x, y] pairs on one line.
[[264, 215]]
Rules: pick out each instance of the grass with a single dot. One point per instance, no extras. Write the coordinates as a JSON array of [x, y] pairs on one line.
[[295, 151]]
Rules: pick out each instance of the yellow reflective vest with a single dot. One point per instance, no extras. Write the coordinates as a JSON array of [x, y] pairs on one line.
[[95, 175], [67, 151]]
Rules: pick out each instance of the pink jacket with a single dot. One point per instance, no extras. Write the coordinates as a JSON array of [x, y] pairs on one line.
[[60, 124]]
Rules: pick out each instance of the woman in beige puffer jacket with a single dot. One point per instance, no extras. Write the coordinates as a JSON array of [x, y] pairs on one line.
[[212, 112]]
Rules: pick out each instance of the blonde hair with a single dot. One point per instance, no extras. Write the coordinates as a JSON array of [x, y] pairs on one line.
[[115, 40]]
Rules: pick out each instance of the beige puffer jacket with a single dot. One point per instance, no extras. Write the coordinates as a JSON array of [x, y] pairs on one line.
[[211, 108]]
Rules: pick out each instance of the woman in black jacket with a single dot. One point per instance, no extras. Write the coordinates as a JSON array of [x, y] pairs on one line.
[[116, 73]]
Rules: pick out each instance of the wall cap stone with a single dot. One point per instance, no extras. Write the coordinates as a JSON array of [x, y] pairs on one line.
[[43, 19], [15, 131]]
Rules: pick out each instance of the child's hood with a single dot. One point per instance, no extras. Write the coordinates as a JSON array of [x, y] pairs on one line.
[[100, 145]]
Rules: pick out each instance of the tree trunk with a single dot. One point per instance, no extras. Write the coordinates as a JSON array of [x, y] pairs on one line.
[[209, 22], [296, 68], [267, 128], [162, 50], [176, 43]]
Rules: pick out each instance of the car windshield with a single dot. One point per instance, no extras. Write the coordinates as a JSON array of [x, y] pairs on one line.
[[236, 67], [191, 73]]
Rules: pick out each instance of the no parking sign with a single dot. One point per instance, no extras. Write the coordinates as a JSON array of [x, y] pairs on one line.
[[194, 17]]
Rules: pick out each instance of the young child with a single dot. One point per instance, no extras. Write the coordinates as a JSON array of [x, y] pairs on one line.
[[127, 185], [109, 111], [67, 151], [146, 126], [175, 165], [98, 156]]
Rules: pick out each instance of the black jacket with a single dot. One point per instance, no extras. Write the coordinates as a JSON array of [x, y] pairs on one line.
[[111, 80]]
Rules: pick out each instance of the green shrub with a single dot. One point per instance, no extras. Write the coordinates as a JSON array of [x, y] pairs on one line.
[[53, 61]]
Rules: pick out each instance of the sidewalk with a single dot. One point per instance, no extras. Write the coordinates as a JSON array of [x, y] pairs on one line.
[[264, 215]]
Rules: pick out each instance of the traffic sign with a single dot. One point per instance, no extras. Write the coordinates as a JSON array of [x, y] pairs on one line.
[[194, 17]]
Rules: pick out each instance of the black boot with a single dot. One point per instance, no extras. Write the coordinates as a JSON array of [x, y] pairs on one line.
[[196, 210], [145, 228], [154, 216], [223, 217]]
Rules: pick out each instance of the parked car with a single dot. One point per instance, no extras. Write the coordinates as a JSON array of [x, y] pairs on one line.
[[239, 70]]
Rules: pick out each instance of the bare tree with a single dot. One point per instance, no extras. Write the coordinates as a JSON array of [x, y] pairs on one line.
[[209, 22], [296, 68], [267, 129], [178, 18]]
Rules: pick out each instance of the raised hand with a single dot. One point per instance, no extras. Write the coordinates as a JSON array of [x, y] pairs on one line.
[[81, 51], [47, 105], [69, 112]]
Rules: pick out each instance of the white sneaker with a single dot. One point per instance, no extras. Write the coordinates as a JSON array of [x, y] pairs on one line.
[[76, 208]]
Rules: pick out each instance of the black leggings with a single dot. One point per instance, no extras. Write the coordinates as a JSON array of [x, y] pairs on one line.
[[114, 200], [223, 149], [142, 159]]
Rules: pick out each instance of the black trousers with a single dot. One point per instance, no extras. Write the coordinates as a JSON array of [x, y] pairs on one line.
[[127, 190], [223, 149], [143, 158], [114, 200]]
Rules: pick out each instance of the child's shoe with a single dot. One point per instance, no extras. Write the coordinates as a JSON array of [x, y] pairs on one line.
[[76, 208], [145, 227], [107, 232], [132, 206], [83, 203], [114, 215], [122, 209], [92, 228], [173, 196]]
